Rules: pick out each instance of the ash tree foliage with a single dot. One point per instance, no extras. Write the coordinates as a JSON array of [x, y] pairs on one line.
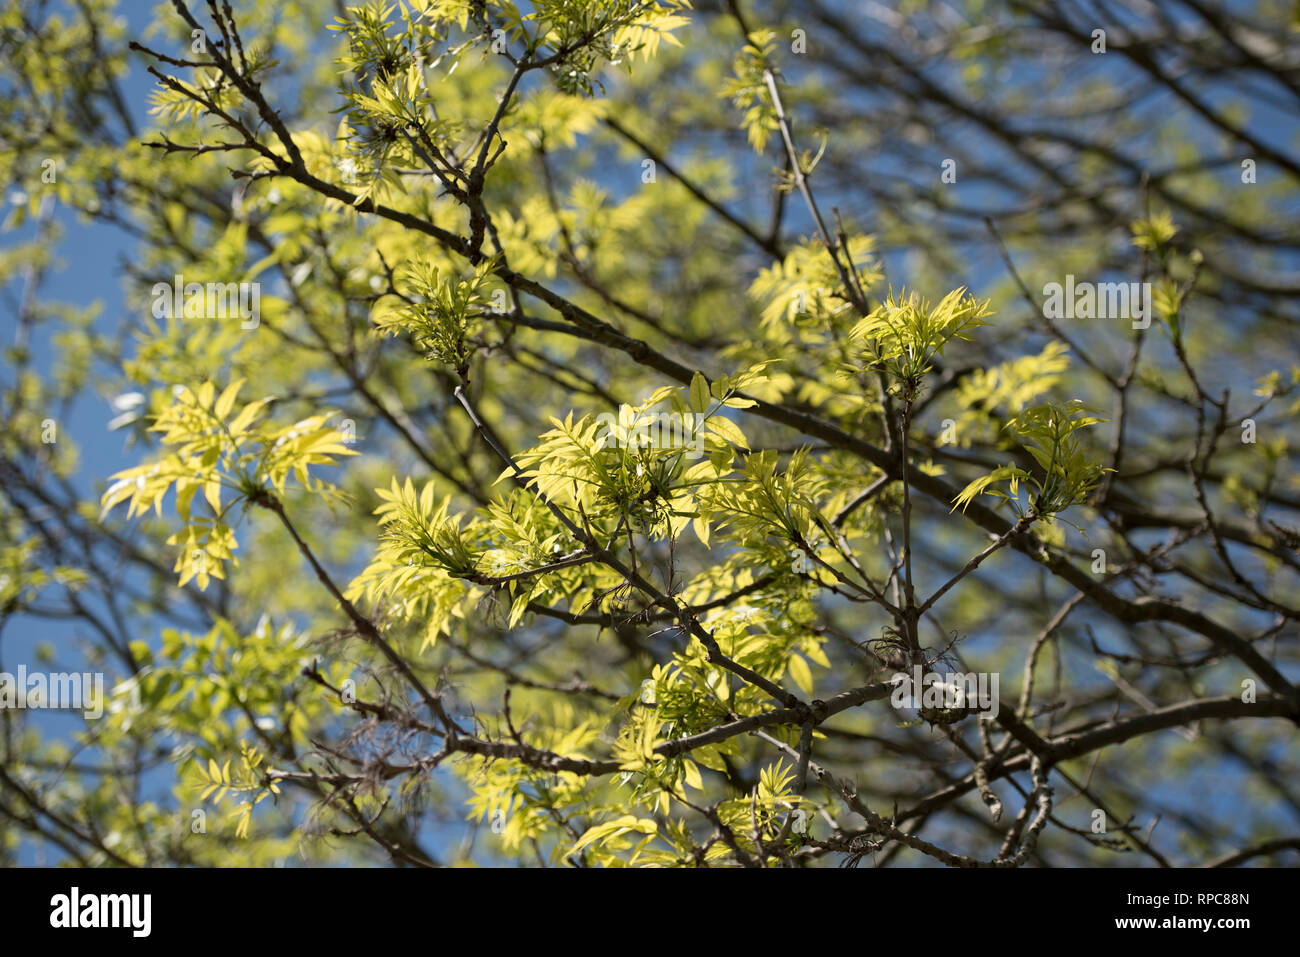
[[603, 403]]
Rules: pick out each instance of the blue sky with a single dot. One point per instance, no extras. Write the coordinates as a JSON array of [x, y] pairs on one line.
[[89, 271]]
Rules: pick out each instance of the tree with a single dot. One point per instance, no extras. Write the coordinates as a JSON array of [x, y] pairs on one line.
[[544, 484]]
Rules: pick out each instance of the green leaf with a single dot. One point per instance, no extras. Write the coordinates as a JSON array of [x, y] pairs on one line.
[[728, 431], [801, 673], [700, 399]]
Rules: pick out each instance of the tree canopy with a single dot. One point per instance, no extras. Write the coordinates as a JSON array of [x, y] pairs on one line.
[[635, 432]]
